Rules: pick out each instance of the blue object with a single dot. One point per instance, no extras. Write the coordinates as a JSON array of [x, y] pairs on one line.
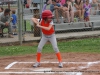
[[86, 13], [14, 21]]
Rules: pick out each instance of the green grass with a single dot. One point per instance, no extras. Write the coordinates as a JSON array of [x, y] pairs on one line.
[[83, 46], [17, 50], [28, 26]]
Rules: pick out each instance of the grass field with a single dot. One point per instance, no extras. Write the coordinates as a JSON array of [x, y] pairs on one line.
[[85, 45]]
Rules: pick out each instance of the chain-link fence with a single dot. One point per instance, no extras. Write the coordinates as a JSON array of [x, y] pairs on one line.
[[65, 21]]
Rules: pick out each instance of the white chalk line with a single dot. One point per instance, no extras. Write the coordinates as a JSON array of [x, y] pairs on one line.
[[10, 65], [49, 69], [74, 73], [88, 63], [67, 73], [62, 62], [80, 67]]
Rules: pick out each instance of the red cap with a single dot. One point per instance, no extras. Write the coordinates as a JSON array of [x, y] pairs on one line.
[[47, 14]]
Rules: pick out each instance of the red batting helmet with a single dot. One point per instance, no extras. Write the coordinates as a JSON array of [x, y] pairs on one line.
[[46, 14]]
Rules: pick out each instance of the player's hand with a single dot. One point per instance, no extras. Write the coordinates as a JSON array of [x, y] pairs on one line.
[[38, 25], [6, 23], [11, 19]]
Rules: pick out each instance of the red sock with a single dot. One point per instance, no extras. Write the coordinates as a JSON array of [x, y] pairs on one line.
[[38, 57], [59, 57]]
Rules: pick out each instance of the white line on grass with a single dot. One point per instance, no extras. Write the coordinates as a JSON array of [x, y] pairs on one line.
[[10, 65]]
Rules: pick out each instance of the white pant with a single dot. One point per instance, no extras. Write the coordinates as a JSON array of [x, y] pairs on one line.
[[46, 38]]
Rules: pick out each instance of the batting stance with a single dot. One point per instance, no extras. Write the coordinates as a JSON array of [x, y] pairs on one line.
[[48, 34]]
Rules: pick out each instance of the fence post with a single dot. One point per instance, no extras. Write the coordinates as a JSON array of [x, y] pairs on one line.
[[92, 26], [19, 21]]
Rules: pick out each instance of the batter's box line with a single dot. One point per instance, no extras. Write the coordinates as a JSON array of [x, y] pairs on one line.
[[10, 65], [67, 73], [88, 63]]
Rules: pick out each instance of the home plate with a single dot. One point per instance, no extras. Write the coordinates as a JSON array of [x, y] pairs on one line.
[[43, 70]]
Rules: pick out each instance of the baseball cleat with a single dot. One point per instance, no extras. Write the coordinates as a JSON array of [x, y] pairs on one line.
[[37, 64], [60, 65]]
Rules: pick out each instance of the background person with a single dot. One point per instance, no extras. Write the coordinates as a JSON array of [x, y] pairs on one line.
[[65, 12], [25, 2], [5, 21], [78, 9], [71, 11], [1, 10], [56, 7], [95, 5], [87, 8], [14, 22]]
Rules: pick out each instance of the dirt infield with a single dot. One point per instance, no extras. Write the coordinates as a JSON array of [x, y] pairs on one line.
[[74, 64]]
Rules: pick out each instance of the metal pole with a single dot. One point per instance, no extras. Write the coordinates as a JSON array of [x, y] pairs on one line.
[[23, 27], [19, 22]]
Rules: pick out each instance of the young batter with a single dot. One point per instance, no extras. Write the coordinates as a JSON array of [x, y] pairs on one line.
[[48, 34]]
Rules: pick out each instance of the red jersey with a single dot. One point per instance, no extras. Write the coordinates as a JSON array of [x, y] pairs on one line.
[[47, 32]]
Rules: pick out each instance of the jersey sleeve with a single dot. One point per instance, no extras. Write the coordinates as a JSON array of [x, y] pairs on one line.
[[39, 20], [51, 23]]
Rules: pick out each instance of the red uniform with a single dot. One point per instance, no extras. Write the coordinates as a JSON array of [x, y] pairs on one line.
[[47, 32]]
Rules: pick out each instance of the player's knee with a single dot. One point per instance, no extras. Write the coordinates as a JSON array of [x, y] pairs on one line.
[[39, 49], [56, 49]]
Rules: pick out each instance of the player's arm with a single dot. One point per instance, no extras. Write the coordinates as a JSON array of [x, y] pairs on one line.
[[46, 28], [35, 20]]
